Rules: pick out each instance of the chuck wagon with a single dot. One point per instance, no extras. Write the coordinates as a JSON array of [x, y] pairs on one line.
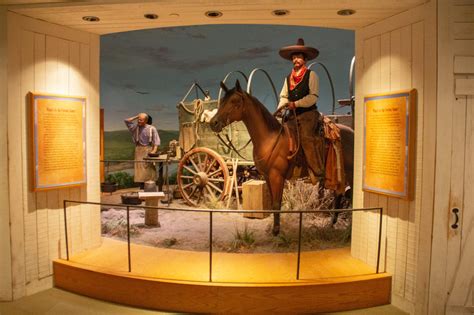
[[206, 169], [213, 164]]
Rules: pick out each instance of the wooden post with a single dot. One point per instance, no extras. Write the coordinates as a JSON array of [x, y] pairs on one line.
[[151, 215], [255, 196]]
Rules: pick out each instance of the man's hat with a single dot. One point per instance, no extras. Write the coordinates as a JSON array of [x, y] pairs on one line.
[[309, 52]]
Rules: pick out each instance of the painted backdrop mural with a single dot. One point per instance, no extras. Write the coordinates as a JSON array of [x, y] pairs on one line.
[[151, 70]]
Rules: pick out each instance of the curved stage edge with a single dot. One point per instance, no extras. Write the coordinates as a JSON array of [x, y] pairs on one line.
[[90, 273]]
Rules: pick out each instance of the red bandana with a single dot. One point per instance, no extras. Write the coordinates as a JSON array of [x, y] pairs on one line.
[[296, 78]]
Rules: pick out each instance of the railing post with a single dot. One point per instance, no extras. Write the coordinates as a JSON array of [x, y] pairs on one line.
[[65, 229], [299, 247], [128, 240], [210, 246], [380, 239]]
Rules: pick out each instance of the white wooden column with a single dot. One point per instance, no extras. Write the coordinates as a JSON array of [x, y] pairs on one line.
[[5, 250]]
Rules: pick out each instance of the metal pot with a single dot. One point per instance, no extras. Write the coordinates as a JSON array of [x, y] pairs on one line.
[[108, 187], [131, 199]]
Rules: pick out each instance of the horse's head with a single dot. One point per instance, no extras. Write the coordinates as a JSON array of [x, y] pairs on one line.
[[231, 107]]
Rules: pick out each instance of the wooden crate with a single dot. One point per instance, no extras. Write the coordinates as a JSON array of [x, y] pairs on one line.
[[256, 196]]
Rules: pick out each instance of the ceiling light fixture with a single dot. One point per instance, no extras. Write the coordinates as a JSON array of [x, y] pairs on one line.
[[213, 14], [346, 12], [151, 16], [280, 12], [90, 18]]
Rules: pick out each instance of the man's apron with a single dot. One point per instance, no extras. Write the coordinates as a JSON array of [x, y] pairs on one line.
[[143, 171]]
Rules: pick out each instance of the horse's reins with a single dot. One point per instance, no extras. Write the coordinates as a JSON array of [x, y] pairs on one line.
[[289, 157], [231, 146], [278, 138]]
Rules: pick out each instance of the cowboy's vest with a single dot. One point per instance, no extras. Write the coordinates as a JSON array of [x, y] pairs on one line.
[[300, 91]]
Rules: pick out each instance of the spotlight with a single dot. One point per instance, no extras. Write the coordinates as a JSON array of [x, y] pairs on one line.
[[280, 12], [90, 18], [346, 12], [151, 16], [213, 14]]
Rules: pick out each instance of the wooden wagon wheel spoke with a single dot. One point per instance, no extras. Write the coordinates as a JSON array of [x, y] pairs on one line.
[[216, 180], [214, 173], [208, 188], [190, 170], [215, 187], [200, 195], [202, 175], [210, 165], [204, 164], [194, 164], [192, 192], [188, 185], [201, 166]]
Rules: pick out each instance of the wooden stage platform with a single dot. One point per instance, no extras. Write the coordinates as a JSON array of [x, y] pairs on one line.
[[177, 280]]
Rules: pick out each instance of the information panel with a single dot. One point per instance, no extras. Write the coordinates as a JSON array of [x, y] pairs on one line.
[[59, 141], [389, 132]]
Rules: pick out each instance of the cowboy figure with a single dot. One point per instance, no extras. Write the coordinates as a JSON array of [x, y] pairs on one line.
[[299, 95]]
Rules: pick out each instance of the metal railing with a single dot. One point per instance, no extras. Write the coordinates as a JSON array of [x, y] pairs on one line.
[[211, 212]]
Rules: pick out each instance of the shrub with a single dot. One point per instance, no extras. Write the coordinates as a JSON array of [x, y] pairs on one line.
[[301, 196], [282, 240], [169, 242], [123, 179], [243, 239], [118, 228]]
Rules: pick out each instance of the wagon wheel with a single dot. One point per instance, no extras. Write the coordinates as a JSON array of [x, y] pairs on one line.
[[202, 176]]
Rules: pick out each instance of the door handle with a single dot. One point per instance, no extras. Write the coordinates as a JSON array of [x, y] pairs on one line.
[[455, 211]]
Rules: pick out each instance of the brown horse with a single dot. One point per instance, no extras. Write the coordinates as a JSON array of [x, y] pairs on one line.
[[270, 143]]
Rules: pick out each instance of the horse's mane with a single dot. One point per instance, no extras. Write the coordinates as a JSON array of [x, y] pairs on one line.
[[269, 119]]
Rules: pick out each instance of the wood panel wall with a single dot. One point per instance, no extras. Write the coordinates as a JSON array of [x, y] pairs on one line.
[[43, 57], [5, 256], [393, 55], [451, 271]]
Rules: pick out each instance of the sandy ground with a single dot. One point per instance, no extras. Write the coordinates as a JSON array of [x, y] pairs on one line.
[[231, 231]]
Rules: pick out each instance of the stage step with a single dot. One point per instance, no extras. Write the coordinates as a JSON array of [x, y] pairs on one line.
[[240, 282]]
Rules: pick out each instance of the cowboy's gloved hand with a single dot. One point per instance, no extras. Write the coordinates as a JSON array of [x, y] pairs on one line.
[[279, 112], [291, 105]]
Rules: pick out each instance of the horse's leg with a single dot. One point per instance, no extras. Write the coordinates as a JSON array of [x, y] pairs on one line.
[[337, 205], [276, 183]]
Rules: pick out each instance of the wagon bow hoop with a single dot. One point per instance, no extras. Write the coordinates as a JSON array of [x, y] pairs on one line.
[[225, 79], [249, 84]]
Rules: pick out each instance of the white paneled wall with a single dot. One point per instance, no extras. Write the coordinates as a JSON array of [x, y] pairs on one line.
[[51, 59], [5, 252], [451, 286], [392, 56]]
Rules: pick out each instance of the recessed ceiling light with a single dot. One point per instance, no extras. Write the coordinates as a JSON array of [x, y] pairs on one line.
[[346, 12], [90, 18], [151, 16], [174, 14], [213, 14], [280, 12]]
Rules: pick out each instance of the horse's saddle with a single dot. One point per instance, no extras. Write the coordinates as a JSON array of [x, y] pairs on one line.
[[334, 166]]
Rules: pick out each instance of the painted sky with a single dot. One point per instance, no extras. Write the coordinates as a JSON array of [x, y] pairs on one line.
[[151, 70]]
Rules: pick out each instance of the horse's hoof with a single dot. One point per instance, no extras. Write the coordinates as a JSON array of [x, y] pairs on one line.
[[276, 231]]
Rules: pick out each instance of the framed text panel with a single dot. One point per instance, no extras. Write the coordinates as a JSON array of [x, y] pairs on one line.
[[58, 141], [389, 143]]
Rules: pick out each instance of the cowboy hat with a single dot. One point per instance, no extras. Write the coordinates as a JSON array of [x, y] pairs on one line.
[[309, 52]]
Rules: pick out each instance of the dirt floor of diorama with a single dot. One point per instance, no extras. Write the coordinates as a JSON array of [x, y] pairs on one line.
[[232, 232]]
